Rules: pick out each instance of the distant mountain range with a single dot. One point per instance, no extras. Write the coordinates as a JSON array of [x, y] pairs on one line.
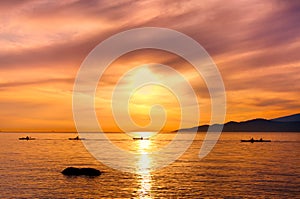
[[289, 123]]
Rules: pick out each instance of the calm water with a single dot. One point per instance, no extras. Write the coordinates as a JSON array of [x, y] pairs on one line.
[[232, 170]]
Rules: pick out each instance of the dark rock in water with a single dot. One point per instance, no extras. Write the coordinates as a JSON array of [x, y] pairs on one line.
[[72, 171]]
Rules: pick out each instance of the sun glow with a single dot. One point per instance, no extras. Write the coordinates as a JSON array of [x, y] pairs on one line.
[[150, 103], [141, 75], [144, 134]]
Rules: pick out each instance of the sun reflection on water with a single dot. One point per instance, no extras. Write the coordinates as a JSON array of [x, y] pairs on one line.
[[143, 169]]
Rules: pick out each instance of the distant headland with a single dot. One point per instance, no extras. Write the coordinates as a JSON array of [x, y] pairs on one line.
[[290, 123]]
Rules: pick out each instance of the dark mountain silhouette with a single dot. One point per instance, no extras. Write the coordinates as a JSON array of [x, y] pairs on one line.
[[290, 118], [283, 124]]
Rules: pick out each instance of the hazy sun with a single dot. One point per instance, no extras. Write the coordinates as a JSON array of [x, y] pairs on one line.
[[141, 75]]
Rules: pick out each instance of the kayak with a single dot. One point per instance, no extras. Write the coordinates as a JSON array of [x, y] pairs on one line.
[[141, 138], [252, 140], [76, 138], [26, 138]]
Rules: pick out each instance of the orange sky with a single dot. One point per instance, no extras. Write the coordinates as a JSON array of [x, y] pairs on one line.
[[255, 45]]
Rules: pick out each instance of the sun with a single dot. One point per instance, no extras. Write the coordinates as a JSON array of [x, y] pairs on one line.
[[141, 75]]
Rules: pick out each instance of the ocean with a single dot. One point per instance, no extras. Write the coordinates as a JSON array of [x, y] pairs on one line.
[[32, 169]]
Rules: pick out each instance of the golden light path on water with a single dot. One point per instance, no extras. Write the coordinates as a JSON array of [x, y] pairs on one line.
[[143, 167]]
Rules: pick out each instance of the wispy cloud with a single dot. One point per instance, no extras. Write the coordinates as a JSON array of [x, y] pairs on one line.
[[39, 82]]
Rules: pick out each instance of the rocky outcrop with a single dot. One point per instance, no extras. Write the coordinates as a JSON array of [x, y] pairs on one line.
[[72, 171]]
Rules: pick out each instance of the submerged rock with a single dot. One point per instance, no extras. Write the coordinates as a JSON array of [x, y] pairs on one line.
[[72, 171]]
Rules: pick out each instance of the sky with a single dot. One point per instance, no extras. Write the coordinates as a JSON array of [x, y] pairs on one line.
[[255, 45]]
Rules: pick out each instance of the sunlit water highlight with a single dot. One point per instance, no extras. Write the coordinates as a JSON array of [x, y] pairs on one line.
[[260, 170]]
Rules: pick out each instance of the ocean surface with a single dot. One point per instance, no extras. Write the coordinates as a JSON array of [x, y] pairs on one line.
[[32, 169]]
